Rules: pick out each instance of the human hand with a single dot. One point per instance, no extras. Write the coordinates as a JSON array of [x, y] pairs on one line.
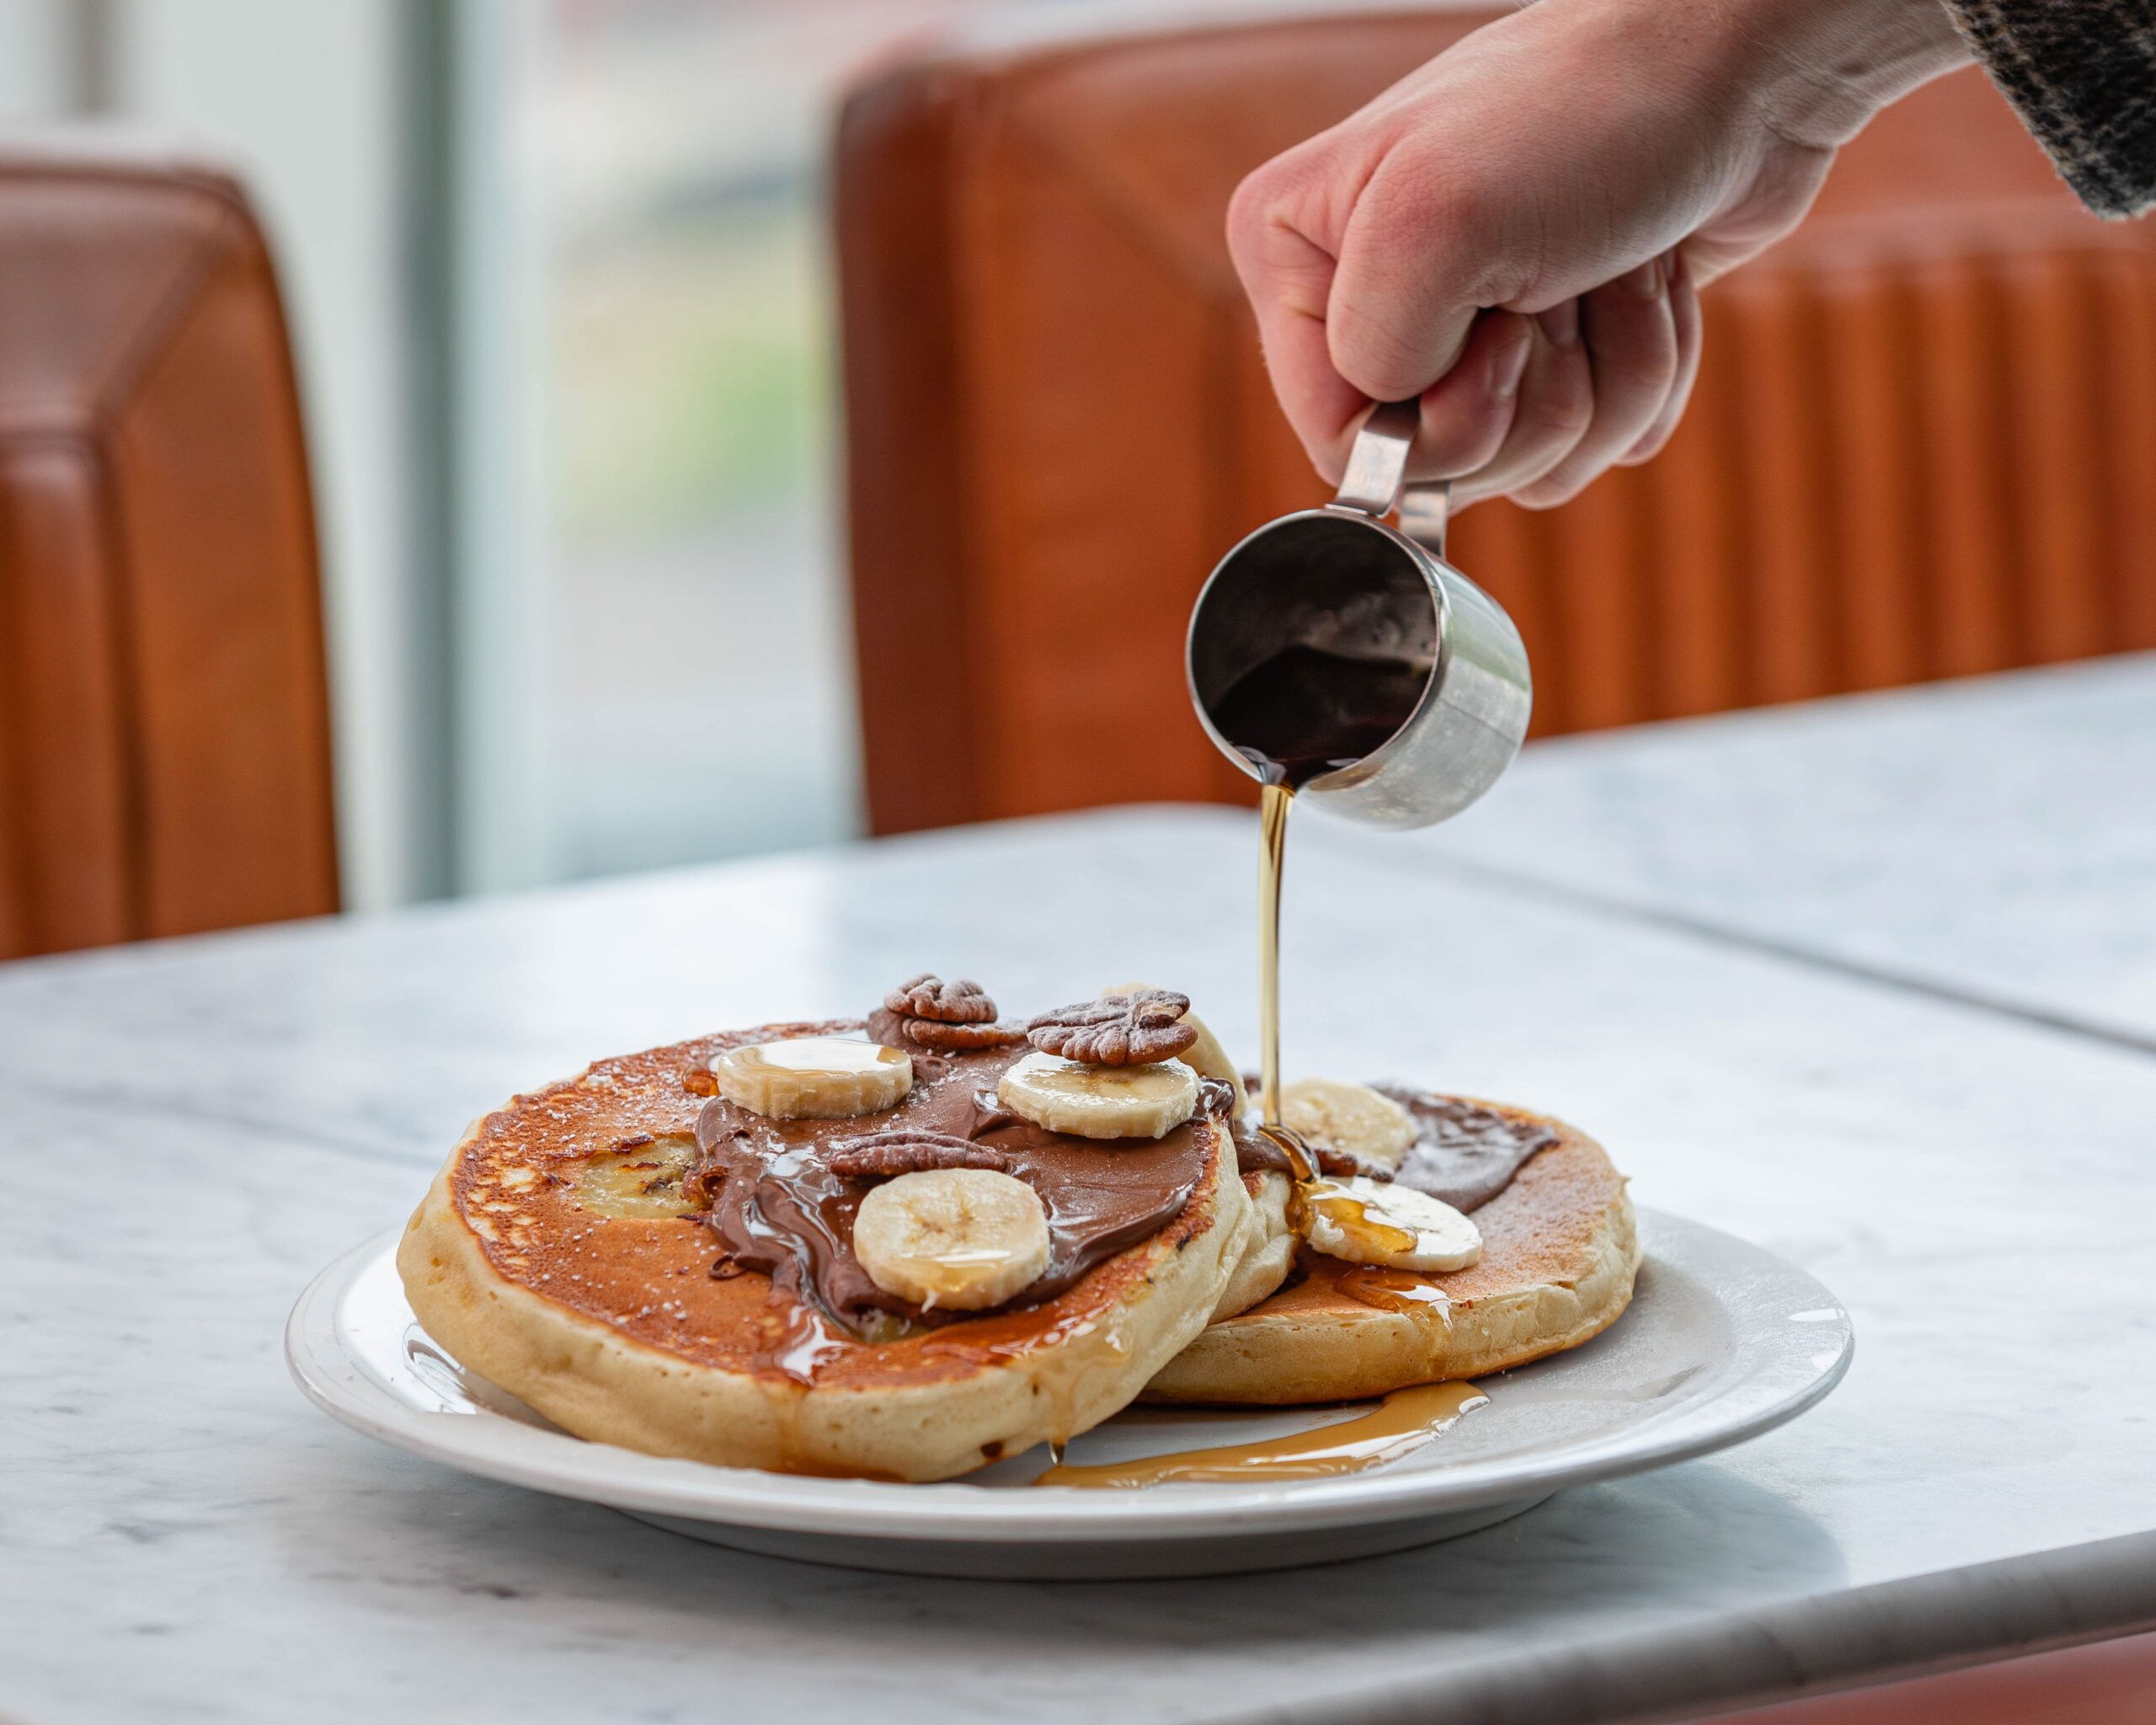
[[1517, 233]]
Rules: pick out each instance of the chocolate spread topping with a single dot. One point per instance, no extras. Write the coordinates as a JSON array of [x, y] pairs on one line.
[[780, 1210], [1255, 1154], [1464, 1154]]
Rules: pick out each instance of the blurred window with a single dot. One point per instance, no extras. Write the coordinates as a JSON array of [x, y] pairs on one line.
[[696, 696]]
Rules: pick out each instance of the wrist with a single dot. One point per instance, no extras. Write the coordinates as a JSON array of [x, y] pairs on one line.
[[1822, 68]]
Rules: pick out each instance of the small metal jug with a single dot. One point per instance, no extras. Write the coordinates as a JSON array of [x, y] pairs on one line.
[[1339, 579]]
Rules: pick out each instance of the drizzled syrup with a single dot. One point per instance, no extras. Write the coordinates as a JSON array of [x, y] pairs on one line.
[[1405, 1422]]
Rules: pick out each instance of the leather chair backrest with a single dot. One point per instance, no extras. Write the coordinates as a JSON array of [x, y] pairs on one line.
[[1924, 442], [164, 733]]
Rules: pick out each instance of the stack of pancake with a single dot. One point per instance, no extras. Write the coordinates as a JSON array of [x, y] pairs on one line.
[[907, 1245]]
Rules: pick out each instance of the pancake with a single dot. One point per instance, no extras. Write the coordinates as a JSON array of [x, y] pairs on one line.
[[557, 1254], [1560, 1250], [1265, 1254]]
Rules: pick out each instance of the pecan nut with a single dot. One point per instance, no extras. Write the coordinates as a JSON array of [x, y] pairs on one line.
[[952, 1038], [928, 996], [910, 1150], [1118, 1029], [952, 1017]]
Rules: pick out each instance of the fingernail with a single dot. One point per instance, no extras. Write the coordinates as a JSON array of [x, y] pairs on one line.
[[1560, 324], [1508, 365], [1644, 282]]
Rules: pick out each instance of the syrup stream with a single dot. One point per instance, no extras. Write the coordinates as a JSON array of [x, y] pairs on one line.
[[1274, 803], [1274, 800]]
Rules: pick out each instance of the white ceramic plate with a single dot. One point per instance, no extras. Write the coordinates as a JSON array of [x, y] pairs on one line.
[[1723, 1341]]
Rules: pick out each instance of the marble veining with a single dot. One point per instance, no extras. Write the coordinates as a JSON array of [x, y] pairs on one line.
[[191, 1130]]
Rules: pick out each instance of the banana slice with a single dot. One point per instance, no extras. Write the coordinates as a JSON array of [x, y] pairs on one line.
[[1351, 1118], [961, 1238], [639, 1184], [1099, 1101], [1205, 1056], [814, 1077], [1370, 1221]]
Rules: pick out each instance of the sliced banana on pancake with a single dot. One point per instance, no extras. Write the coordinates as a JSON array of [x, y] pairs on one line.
[[1377, 1222], [963, 1239], [639, 1182], [1206, 1056], [1353, 1118], [814, 1077], [1099, 1101]]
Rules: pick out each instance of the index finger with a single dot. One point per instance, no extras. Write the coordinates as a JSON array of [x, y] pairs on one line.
[[1288, 280]]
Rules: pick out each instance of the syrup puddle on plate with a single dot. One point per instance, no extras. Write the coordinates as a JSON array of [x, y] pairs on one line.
[[1404, 1423]]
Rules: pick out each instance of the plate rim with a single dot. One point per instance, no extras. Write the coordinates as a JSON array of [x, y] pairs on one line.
[[953, 1512]]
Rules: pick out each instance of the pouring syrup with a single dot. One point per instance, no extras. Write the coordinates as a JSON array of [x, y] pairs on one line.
[[1296, 716]]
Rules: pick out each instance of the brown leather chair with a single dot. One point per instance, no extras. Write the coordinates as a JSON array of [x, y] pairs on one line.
[[164, 732], [1924, 442]]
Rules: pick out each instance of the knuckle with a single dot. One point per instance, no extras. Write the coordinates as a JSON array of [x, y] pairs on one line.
[[1562, 412], [1250, 212], [1637, 372], [1448, 213], [1448, 457], [1270, 213], [1441, 210]]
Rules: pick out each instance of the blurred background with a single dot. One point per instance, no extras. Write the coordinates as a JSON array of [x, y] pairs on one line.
[[557, 273], [621, 568]]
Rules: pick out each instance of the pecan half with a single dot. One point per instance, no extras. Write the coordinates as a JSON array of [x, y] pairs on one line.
[[928, 996], [1118, 1029], [926, 1011], [931, 1034], [910, 1150]]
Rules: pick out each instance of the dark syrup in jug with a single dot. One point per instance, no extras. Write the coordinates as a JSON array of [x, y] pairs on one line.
[[1304, 712]]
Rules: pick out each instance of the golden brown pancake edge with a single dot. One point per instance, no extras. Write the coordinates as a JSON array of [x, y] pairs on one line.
[[1560, 1253]]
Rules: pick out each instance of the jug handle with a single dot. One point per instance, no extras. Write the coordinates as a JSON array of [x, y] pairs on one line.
[[1377, 465]]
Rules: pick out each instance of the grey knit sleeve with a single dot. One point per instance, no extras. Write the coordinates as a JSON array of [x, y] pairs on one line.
[[2082, 73]]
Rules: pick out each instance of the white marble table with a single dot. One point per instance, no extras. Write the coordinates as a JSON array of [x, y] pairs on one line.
[[190, 1131], [1993, 840]]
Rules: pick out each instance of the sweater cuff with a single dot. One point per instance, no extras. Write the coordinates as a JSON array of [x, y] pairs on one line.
[[2082, 75]]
